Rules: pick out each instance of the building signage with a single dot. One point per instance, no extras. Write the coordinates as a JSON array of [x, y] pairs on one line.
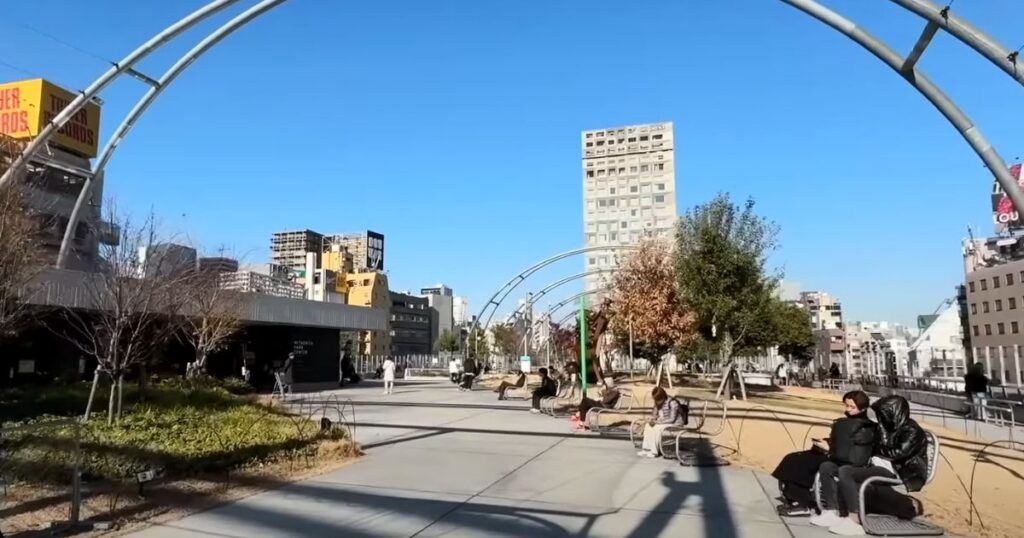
[[374, 251], [1006, 217], [28, 105]]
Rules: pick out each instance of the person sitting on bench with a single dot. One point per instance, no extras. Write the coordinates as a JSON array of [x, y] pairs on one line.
[[547, 388], [505, 385], [609, 397], [667, 412]]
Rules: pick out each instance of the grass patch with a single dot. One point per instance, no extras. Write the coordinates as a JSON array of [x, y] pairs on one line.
[[171, 428]]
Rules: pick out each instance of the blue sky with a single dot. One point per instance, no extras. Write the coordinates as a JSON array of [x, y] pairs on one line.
[[453, 128]]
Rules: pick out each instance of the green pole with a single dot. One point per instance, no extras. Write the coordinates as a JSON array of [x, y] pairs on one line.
[[583, 343]]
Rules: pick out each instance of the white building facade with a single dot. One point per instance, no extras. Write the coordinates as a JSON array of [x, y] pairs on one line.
[[629, 190], [939, 349]]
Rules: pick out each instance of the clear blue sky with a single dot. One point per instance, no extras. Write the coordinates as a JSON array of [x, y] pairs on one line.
[[453, 128]]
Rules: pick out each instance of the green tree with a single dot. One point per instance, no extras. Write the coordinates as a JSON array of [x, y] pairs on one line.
[[793, 332], [448, 342], [721, 257], [477, 346], [505, 340]]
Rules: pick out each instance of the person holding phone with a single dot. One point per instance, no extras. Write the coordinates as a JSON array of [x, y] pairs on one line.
[[851, 441]]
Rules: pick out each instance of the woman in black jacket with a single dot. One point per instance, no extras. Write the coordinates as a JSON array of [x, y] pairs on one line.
[[851, 442], [904, 445]]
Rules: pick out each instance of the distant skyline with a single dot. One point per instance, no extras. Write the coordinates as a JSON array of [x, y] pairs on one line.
[[453, 129]]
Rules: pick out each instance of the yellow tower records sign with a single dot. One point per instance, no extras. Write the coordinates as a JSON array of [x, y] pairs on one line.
[[28, 105]]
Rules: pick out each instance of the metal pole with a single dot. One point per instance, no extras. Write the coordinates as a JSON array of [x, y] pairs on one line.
[[125, 65], [632, 363], [140, 108], [583, 343], [939, 100]]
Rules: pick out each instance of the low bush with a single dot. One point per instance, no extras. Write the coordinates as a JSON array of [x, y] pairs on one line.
[[174, 430]]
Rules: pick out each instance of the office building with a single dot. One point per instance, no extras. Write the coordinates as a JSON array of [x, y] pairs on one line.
[[939, 347], [826, 318], [289, 248], [366, 248], [442, 303], [370, 290], [218, 264], [888, 352], [994, 277], [167, 260], [411, 325], [629, 190], [460, 311]]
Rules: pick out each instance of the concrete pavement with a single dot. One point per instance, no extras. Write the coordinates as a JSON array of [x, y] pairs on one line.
[[441, 462]]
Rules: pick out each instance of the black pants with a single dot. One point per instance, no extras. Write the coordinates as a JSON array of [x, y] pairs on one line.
[[850, 479], [539, 394], [454, 377], [828, 473], [467, 381], [586, 404]]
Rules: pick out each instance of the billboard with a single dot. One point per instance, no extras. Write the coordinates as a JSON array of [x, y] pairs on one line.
[[28, 105], [374, 251], [1004, 216]]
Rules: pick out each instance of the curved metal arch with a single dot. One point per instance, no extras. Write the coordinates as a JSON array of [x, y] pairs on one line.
[[536, 296], [962, 31], [125, 66], [975, 139], [143, 104], [968, 34], [495, 301]]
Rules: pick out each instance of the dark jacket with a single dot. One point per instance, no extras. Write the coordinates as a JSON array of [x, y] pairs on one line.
[[852, 440], [547, 386], [469, 366], [975, 383], [903, 441]]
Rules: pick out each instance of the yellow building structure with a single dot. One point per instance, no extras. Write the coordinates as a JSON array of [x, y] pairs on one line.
[[371, 290]]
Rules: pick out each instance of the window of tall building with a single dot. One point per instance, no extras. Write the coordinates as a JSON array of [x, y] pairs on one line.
[[974, 308], [1014, 327], [644, 138], [644, 168], [970, 285], [611, 190], [988, 329], [984, 284], [1001, 327], [659, 166], [660, 186], [590, 173], [995, 282], [634, 188], [657, 137], [999, 305], [1011, 303], [1009, 279], [631, 139], [975, 327], [659, 198]]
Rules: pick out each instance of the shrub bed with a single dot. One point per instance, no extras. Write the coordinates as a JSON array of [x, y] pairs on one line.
[[173, 429]]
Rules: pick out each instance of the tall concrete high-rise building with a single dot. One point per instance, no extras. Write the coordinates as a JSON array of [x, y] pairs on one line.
[[288, 249], [366, 248], [629, 190], [441, 301], [460, 310]]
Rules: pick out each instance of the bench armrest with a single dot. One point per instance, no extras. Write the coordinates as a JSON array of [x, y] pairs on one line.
[[864, 489]]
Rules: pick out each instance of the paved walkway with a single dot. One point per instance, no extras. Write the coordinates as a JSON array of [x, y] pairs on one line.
[[446, 463]]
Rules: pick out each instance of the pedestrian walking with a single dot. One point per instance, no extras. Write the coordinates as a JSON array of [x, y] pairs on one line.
[[468, 374], [389, 375], [976, 387], [453, 370]]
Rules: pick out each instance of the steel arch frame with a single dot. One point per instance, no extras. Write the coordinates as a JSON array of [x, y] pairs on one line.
[[534, 297], [976, 39], [143, 104], [495, 301]]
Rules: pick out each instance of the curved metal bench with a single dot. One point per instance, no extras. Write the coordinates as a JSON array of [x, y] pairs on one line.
[[623, 405], [547, 403], [708, 419]]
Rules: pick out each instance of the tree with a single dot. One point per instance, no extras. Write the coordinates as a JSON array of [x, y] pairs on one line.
[[793, 326], [477, 346], [212, 316], [134, 307], [506, 342], [20, 262], [721, 254], [644, 300], [448, 342]]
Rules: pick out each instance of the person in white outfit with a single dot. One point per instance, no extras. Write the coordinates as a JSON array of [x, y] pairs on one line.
[[389, 375]]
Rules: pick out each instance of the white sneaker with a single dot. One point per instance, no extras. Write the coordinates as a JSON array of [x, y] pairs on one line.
[[535, 411], [827, 519], [643, 453], [651, 455], [847, 527]]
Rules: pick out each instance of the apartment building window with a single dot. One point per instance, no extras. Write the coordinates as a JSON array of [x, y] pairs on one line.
[[984, 284], [995, 282], [659, 166], [988, 329], [590, 173], [660, 186], [1011, 303], [970, 285], [659, 198], [1014, 327], [984, 307], [974, 309], [634, 189], [975, 327], [645, 168], [644, 138], [623, 225], [1009, 279], [1001, 327], [611, 190], [999, 305], [657, 137]]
